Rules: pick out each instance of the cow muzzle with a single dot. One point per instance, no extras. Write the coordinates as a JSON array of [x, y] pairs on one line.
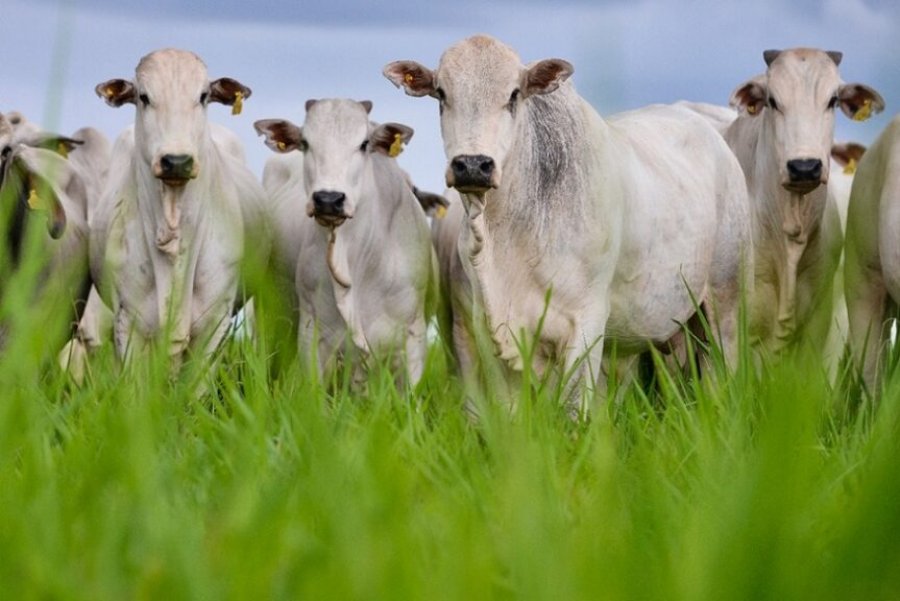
[[175, 169], [328, 208], [472, 173], [804, 175]]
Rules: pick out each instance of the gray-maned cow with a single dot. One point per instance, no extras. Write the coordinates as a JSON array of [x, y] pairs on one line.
[[612, 219], [179, 212], [364, 262], [872, 252], [38, 184], [782, 138]]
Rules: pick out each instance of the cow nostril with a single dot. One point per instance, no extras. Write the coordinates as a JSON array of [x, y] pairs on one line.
[[804, 169], [487, 166], [458, 166], [180, 163], [326, 199]]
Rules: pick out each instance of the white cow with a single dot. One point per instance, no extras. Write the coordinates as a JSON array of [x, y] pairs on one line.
[[179, 212], [364, 261], [872, 252], [612, 220], [39, 186], [782, 138]]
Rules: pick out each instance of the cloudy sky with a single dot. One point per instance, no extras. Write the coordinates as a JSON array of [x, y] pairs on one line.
[[627, 53]]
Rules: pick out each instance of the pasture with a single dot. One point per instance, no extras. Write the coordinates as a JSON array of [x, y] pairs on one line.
[[766, 485]]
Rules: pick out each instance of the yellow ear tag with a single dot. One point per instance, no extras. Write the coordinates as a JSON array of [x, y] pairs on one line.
[[865, 112], [238, 104], [35, 202], [62, 150], [440, 212], [751, 109], [850, 167], [408, 78], [281, 145], [396, 146]]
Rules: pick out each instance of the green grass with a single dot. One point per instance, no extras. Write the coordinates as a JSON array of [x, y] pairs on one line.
[[768, 486]]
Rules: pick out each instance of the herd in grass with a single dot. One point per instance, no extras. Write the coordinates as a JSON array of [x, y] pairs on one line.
[[566, 243]]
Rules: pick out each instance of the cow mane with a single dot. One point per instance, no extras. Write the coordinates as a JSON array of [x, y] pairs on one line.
[[552, 178]]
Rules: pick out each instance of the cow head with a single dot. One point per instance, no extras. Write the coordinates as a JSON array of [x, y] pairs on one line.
[[480, 84], [797, 98], [171, 91], [337, 141], [32, 178]]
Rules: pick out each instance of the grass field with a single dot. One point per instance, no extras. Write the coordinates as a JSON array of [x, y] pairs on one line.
[[768, 486]]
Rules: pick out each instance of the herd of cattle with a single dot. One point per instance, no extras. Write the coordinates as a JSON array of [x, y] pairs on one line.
[[566, 241]]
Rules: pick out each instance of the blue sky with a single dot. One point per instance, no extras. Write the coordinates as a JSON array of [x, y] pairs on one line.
[[626, 53]]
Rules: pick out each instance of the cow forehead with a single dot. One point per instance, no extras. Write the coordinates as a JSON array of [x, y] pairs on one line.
[[803, 71], [171, 69], [479, 62], [336, 119]]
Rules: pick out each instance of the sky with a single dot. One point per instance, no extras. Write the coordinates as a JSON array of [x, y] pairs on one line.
[[626, 53]]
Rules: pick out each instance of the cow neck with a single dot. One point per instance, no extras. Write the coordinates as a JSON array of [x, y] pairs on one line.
[[172, 221], [343, 240], [784, 220], [539, 209]]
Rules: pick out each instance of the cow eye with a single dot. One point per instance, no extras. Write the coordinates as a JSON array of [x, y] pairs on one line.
[[303, 146], [833, 102], [773, 104], [513, 98], [4, 154], [203, 97], [364, 145], [441, 95], [145, 100]]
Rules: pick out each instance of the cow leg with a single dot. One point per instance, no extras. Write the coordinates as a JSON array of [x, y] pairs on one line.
[[866, 298], [416, 350], [588, 385], [94, 327]]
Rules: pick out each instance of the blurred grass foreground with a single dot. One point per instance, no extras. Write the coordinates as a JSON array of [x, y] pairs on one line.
[[765, 485]]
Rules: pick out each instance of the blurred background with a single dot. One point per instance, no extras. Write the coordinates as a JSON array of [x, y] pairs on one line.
[[626, 53]]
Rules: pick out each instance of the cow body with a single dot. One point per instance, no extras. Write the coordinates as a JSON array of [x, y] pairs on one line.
[[872, 253], [39, 187], [575, 228], [359, 239], [179, 209]]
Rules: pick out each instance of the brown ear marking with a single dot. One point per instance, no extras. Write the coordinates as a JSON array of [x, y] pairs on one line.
[[280, 135], [387, 135], [116, 92], [226, 90], [415, 79], [545, 76]]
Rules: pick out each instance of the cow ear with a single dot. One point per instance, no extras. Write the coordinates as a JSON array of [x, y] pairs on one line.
[[859, 102], [116, 92], [229, 91], [281, 135], [846, 152], [61, 145], [749, 97], [545, 76], [433, 204], [415, 79], [389, 138]]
